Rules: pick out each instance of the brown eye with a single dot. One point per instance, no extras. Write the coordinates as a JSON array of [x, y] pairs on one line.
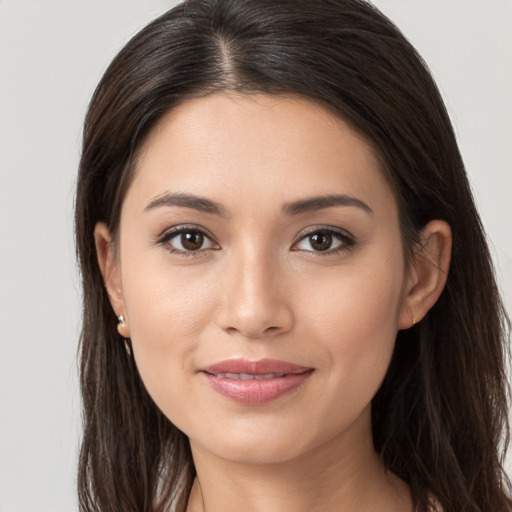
[[192, 240], [321, 241], [325, 240], [186, 241]]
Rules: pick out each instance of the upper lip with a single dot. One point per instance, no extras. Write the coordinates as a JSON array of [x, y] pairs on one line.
[[260, 367]]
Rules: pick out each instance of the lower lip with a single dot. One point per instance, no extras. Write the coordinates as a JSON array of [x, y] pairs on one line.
[[255, 392]]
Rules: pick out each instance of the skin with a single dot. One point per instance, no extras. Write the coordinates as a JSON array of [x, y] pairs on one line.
[[258, 288]]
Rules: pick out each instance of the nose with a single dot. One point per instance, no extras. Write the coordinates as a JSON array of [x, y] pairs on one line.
[[254, 301]]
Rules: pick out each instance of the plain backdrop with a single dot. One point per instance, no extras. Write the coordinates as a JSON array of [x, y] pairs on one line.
[[52, 54]]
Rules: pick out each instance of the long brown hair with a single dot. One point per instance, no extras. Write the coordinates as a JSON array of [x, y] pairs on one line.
[[440, 417]]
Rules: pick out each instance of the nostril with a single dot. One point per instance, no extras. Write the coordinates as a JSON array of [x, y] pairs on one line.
[[251, 315], [247, 333]]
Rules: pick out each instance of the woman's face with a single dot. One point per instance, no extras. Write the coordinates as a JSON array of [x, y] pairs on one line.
[[261, 273]]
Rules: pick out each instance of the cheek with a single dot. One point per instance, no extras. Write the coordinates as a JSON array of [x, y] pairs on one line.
[[167, 311], [355, 318], [162, 308]]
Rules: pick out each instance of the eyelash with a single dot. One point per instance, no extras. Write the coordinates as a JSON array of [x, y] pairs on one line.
[[171, 233], [347, 240]]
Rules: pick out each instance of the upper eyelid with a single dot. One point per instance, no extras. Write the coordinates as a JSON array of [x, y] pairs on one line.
[[312, 229], [331, 229], [176, 230]]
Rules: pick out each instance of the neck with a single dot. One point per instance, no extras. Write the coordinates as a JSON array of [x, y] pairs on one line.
[[343, 474]]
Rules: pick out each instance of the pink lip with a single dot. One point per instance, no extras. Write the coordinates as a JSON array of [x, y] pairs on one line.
[[281, 378]]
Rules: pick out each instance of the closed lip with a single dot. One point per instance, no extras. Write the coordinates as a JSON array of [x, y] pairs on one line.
[[255, 382], [261, 367]]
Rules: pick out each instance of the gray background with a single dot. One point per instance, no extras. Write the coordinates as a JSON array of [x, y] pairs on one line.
[[52, 54]]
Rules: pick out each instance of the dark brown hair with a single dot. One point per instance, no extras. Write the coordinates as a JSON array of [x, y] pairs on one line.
[[440, 416]]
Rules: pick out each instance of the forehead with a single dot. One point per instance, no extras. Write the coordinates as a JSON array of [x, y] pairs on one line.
[[257, 148]]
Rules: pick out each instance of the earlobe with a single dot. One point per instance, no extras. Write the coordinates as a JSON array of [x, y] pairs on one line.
[[428, 276], [109, 268]]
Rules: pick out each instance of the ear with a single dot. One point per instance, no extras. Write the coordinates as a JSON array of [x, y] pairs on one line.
[[428, 274], [109, 267]]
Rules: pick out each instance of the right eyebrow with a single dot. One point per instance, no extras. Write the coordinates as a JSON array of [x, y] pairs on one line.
[[201, 204], [312, 204]]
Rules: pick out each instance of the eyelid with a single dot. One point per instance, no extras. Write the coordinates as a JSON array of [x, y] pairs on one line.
[[347, 238], [171, 232], [178, 228], [324, 227]]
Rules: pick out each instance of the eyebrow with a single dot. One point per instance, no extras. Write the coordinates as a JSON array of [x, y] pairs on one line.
[[307, 205], [188, 201], [311, 204]]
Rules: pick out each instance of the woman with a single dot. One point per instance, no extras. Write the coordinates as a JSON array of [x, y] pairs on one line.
[[289, 302]]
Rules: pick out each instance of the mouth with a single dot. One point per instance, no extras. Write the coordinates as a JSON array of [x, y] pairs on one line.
[[248, 376], [256, 382]]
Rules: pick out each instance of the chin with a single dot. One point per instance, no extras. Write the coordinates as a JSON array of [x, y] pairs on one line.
[[263, 442], [248, 451]]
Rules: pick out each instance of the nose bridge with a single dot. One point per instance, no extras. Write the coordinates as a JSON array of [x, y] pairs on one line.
[[254, 298]]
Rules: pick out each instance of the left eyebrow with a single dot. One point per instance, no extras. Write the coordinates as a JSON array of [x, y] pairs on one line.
[[311, 204], [201, 204]]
